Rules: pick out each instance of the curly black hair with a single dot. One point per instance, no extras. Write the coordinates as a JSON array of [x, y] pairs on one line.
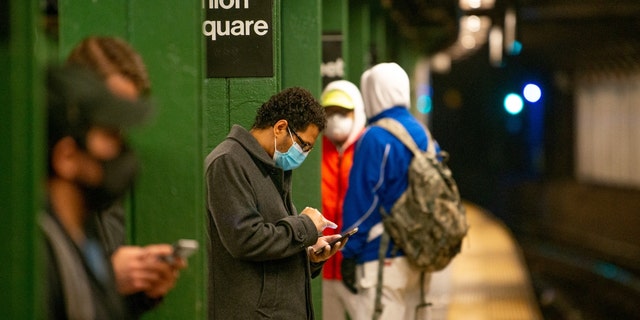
[[296, 105]]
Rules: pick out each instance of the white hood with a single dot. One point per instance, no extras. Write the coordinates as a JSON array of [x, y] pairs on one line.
[[359, 119], [384, 86]]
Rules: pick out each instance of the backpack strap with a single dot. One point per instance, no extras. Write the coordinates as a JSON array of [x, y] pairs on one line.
[[398, 130], [378, 307], [423, 302], [382, 252]]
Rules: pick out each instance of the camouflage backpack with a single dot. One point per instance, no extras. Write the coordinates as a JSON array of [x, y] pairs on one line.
[[428, 221]]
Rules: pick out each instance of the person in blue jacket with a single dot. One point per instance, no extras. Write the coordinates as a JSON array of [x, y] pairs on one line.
[[378, 177]]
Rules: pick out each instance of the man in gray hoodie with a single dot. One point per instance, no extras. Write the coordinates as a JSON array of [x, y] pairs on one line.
[[262, 253]]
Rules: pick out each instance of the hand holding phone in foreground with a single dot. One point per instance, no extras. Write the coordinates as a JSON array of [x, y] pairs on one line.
[[138, 269], [173, 258], [167, 274]]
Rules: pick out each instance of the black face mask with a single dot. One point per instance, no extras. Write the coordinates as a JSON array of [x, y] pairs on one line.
[[119, 174]]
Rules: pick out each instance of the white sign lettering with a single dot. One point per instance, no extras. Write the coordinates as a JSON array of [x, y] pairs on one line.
[[213, 29], [235, 28], [332, 69], [229, 4]]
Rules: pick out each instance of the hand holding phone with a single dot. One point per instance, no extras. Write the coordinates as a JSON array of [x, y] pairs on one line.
[[343, 236], [183, 249]]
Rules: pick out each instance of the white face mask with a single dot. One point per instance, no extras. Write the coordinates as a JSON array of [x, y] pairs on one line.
[[338, 127]]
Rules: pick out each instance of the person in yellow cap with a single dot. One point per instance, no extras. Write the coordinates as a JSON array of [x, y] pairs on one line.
[[345, 123]]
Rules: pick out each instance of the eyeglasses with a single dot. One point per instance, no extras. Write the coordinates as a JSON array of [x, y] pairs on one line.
[[306, 147]]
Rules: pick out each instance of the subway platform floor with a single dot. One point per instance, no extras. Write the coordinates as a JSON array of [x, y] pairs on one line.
[[488, 280]]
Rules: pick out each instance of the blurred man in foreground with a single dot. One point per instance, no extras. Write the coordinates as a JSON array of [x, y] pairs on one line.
[[140, 277], [90, 165]]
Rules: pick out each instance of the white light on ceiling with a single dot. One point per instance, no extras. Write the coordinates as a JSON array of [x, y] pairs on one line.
[[476, 4]]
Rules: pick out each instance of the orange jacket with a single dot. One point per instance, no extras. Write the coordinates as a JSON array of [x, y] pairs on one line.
[[336, 164], [335, 179]]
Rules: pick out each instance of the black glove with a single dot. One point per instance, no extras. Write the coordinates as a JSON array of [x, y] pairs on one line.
[[348, 270]]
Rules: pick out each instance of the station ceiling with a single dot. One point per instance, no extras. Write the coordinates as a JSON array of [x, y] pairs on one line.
[[570, 34], [562, 34]]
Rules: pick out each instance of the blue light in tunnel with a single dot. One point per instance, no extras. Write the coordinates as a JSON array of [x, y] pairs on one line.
[[423, 99], [424, 104], [516, 48], [532, 92], [513, 103]]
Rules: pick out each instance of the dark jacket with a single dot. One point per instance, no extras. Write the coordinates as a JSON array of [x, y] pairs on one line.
[[75, 290], [258, 265]]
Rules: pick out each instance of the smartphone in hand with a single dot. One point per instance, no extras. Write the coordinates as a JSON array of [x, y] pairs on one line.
[[343, 236], [183, 249]]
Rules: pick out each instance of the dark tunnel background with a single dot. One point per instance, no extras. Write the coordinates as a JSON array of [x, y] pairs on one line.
[[579, 238]]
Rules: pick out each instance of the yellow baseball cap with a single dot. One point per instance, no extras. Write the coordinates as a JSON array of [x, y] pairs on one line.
[[337, 98]]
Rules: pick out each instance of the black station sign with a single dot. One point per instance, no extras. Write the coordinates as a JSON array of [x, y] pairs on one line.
[[332, 67], [239, 37]]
